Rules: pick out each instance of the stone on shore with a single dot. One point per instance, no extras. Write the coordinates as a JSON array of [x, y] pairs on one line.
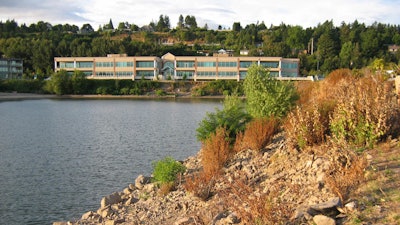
[[114, 198]]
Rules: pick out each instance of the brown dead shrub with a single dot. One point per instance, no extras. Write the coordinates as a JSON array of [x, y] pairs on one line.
[[346, 171], [215, 152], [254, 207], [199, 184], [258, 133]]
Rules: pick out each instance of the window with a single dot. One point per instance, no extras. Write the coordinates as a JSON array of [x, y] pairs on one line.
[[124, 74], [242, 74], [185, 73], [104, 64], [206, 64], [145, 64], [124, 64], [84, 64], [270, 64], [104, 74], [246, 64], [66, 64], [227, 64], [227, 74], [289, 74], [185, 64], [145, 73], [274, 73], [206, 74], [289, 65]]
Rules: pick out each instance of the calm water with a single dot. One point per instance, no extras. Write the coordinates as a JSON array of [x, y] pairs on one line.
[[58, 158]]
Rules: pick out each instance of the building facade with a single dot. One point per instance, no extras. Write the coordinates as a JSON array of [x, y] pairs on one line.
[[11, 68], [171, 67]]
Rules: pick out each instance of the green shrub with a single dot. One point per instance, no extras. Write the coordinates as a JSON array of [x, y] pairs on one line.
[[266, 96], [160, 92], [232, 117], [167, 170]]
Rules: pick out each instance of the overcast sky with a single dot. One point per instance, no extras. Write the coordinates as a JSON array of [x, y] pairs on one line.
[[306, 13]]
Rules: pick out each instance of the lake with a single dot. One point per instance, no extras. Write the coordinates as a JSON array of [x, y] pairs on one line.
[[58, 158]]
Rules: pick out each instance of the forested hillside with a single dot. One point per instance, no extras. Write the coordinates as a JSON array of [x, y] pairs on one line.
[[321, 49]]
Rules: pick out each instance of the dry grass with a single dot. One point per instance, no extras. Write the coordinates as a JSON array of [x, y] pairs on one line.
[[360, 109], [215, 152], [200, 185], [258, 134], [257, 208], [346, 171]]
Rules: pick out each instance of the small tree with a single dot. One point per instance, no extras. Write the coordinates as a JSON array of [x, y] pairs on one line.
[[59, 83], [79, 82], [267, 96]]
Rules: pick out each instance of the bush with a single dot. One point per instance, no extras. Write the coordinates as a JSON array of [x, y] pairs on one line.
[[266, 96], [167, 170], [200, 185], [258, 133], [233, 118], [346, 171], [359, 109], [215, 152], [366, 112]]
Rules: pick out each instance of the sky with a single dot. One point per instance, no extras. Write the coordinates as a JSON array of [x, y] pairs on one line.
[[305, 13]]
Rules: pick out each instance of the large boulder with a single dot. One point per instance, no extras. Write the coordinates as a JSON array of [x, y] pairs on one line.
[[112, 199]]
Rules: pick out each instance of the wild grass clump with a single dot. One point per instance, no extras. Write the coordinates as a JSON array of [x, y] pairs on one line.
[[350, 108], [215, 152], [254, 207], [258, 133], [346, 171]]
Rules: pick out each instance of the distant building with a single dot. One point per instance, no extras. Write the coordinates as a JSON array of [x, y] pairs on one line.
[[11, 68], [169, 66]]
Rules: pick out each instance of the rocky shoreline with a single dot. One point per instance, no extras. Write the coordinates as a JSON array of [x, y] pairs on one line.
[[296, 179]]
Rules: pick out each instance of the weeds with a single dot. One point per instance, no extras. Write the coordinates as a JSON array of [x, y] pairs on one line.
[[258, 133], [346, 171]]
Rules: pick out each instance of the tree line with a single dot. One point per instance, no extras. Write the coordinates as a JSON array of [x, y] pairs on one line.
[[321, 49]]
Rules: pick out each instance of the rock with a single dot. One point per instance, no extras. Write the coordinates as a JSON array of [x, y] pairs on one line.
[[132, 187], [141, 181], [104, 212], [87, 215], [323, 220], [127, 191], [110, 222], [114, 198], [184, 221], [327, 208], [351, 206]]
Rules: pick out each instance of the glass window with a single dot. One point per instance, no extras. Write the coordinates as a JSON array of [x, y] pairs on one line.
[[274, 73], [206, 64], [227, 74], [242, 74], [124, 73], [245, 64], [104, 64], [227, 64], [145, 64], [104, 74], [289, 74], [206, 74], [84, 64], [269, 64], [185, 73], [286, 65], [145, 73], [124, 64], [185, 64], [66, 64]]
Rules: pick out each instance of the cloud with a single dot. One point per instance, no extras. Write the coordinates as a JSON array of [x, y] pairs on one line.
[[306, 13]]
